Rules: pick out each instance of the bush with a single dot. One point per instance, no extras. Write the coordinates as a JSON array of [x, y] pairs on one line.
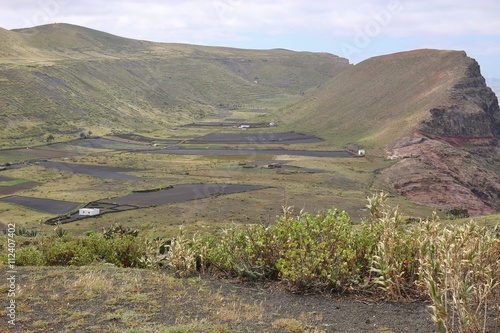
[[29, 256], [25, 232], [305, 252], [181, 256], [66, 252], [60, 249], [125, 251], [249, 252], [317, 251]]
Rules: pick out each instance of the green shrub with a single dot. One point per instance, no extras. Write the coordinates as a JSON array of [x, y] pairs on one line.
[[22, 231], [123, 250], [318, 251], [29, 256], [307, 251], [60, 232], [66, 251], [250, 252], [181, 256]]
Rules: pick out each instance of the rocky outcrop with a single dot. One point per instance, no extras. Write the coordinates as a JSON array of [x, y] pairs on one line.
[[436, 173], [450, 160], [471, 112]]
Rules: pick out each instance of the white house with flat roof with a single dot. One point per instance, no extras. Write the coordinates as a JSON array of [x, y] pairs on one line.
[[89, 211]]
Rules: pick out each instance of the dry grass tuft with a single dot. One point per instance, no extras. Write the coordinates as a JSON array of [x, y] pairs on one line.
[[238, 311], [289, 325], [92, 281]]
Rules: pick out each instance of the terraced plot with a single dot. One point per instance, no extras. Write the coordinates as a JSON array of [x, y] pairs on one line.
[[56, 207], [252, 138], [102, 143], [253, 152], [174, 194], [11, 185], [180, 193], [93, 170]]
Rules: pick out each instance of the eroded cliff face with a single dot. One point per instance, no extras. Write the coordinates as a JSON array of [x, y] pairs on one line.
[[452, 159], [472, 110]]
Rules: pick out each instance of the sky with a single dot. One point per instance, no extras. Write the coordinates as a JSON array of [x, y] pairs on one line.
[[355, 30]]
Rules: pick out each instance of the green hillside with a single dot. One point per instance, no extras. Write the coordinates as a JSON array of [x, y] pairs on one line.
[[378, 100], [61, 78]]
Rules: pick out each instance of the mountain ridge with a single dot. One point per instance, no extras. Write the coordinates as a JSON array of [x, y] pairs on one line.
[[428, 110], [70, 77], [376, 101]]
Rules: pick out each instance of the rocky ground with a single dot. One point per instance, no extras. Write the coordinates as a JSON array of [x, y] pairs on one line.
[[446, 175], [109, 299]]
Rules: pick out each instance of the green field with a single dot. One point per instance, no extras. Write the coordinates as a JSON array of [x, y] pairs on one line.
[[14, 156]]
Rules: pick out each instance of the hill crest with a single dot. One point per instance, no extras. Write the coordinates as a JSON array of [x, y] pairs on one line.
[[382, 98], [430, 111], [70, 77]]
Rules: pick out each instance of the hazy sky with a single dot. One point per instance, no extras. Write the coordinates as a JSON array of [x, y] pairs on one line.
[[353, 29]]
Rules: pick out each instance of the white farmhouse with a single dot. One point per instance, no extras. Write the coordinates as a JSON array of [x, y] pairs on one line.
[[361, 152], [89, 211]]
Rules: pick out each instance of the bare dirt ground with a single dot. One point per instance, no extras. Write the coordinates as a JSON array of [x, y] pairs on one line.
[[242, 138], [180, 193], [252, 152], [45, 205], [110, 299], [92, 170], [5, 190]]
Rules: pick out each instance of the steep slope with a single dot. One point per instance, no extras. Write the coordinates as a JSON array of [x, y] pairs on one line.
[[382, 98], [11, 46], [429, 110], [67, 77]]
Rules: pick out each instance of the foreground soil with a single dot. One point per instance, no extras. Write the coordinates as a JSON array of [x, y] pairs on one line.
[[108, 299]]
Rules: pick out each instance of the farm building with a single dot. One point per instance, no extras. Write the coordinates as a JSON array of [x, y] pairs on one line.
[[89, 211], [361, 152]]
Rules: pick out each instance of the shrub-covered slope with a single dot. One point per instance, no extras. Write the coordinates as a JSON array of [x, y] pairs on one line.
[[60, 77]]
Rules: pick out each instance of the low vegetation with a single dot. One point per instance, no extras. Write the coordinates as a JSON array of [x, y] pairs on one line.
[[455, 267], [153, 85]]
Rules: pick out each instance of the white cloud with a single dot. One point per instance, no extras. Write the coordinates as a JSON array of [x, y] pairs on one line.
[[212, 17]]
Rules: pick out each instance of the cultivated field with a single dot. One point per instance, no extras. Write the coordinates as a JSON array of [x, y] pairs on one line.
[[286, 168]]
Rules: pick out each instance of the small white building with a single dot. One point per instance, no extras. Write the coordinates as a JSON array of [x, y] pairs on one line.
[[89, 211], [244, 126], [361, 152]]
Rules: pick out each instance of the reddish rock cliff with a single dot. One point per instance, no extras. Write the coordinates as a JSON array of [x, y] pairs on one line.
[[451, 160]]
